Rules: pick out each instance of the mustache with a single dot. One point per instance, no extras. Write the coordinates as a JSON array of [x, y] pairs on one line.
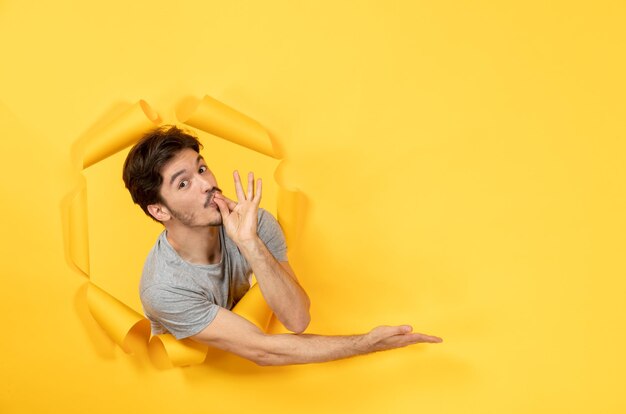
[[209, 196]]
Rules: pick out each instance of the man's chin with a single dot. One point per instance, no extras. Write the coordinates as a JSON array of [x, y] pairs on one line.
[[206, 225], [215, 222], [212, 222]]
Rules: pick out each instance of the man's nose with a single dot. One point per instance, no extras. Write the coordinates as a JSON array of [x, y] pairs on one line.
[[206, 184]]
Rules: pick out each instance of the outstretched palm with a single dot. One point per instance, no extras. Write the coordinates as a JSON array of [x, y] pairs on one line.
[[388, 337]]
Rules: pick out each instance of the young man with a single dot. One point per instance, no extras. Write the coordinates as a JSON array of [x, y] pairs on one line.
[[200, 266]]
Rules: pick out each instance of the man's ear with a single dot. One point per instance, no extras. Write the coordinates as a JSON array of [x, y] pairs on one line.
[[159, 212]]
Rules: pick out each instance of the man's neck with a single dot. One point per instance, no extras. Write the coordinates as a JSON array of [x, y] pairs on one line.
[[196, 245]]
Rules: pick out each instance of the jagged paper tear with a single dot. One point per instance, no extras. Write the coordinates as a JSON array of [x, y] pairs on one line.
[[121, 322]]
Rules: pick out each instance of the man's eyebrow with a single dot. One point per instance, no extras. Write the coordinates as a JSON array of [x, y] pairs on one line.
[[177, 173]]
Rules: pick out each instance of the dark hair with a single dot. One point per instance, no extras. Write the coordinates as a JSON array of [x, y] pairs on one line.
[[142, 168]]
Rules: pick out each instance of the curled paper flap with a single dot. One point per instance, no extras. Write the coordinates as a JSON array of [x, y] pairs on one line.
[[290, 212], [125, 326], [126, 129], [166, 351], [253, 307], [216, 118], [78, 236], [158, 353]]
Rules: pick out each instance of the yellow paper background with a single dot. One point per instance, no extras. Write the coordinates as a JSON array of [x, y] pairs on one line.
[[464, 171]]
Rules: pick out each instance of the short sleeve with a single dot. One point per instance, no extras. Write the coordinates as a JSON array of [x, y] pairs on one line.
[[181, 311], [272, 235]]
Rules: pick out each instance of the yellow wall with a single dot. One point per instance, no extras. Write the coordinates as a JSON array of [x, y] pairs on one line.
[[464, 164]]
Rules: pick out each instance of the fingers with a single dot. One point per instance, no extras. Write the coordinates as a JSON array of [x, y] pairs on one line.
[[425, 338], [400, 341], [238, 188], [385, 331], [417, 337], [222, 206], [250, 185], [251, 194], [259, 190], [230, 203], [402, 336]]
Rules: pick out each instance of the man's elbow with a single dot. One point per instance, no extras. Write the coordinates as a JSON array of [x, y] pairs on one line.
[[264, 360], [272, 357], [264, 354], [300, 325], [258, 359], [260, 355]]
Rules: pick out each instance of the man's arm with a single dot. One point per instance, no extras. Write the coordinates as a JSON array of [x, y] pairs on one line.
[[279, 286], [278, 283], [233, 333]]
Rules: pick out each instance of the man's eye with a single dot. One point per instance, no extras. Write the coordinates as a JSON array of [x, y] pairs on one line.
[[183, 184], [202, 169]]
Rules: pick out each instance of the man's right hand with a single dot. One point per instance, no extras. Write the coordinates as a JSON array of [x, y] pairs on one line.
[[233, 333], [386, 337]]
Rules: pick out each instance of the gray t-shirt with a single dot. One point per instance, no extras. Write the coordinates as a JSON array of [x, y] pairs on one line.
[[183, 298]]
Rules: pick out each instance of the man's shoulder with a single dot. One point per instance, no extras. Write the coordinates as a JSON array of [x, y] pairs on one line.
[[262, 214], [271, 233], [265, 218], [161, 267], [267, 226]]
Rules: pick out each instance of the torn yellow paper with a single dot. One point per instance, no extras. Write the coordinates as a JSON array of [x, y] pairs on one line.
[[165, 351], [120, 322], [123, 131], [253, 307], [78, 237], [290, 214], [214, 117], [110, 237]]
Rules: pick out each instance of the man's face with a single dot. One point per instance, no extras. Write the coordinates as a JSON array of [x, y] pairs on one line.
[[187, 190]]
